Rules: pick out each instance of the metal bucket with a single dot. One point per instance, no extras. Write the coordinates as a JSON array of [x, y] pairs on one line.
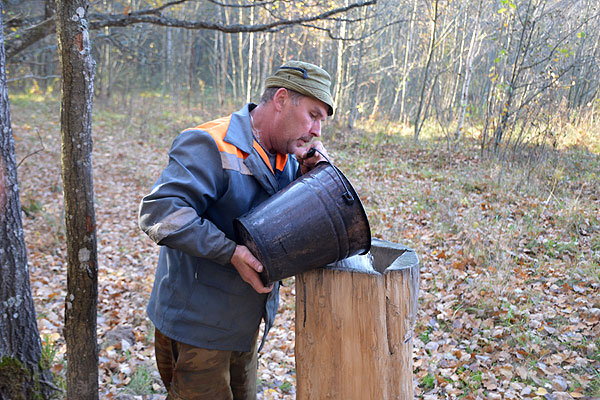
[[316, 220]]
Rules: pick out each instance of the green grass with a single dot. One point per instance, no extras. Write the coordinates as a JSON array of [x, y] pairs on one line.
[[474, 380], [428, 382], [141, 382], [424, 336], [286, 387], [593, 389], [49, 351]]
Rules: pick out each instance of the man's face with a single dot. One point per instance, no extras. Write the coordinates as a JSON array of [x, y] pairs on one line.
[[299, 123]]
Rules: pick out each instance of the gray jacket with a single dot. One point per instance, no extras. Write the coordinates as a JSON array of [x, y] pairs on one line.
[[216, 172]]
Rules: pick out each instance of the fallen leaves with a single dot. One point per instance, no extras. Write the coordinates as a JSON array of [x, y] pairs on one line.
[[509, 294], [508, 297]]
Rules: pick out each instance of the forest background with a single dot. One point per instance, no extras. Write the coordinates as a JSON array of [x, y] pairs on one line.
[[469, 129]]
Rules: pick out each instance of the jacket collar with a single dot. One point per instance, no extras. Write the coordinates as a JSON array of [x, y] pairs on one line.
[[240, 135]]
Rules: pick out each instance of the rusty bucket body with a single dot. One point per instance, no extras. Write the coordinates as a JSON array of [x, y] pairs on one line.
[[316, 220]]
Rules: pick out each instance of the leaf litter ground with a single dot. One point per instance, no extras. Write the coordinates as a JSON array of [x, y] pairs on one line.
[[509, 303]]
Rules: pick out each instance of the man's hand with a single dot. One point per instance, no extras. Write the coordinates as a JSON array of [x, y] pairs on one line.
[[249, 267], [307, 163]]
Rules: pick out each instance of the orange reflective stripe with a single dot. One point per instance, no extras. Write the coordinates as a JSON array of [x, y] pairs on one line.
[[218, 129], [263, 155], [281, 161]]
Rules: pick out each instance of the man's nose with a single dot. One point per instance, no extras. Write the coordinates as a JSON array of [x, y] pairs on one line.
[[316, 128]]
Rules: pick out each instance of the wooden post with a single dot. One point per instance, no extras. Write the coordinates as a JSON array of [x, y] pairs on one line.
[[354, 328]]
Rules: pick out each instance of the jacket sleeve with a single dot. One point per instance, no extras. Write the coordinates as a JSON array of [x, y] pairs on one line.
[[172, 214]]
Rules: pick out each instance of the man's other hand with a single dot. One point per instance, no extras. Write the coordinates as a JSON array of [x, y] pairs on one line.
[[307, 163], [249, 267]]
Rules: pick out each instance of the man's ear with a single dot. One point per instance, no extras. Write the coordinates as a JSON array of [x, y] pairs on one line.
[[280, 99]]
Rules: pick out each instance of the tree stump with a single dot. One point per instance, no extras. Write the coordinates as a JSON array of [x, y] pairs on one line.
[[354, 328]]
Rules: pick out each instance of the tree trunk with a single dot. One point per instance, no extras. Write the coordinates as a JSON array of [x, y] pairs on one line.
[[76, 159], [106, 70], [250, 60], [467, 80], [223, 56], [405, 70], [339, 80], [22, 374], [166, 62], [426, 70], [354, 329], [354, 105], [522, 51], [241, 56], [267, 59], [460, 37], [259, 55], [231, 53], [375, 109], [191, 69]]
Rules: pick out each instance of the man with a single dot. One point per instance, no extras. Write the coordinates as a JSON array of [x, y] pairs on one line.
[[208, 300]]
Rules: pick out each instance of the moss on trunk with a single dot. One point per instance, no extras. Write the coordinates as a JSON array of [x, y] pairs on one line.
[[17, 382]]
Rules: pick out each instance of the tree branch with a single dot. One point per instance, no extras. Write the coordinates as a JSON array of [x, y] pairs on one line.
[[357, 38], [35, 151], [158, 9], [22, 78], [255, 4], [22, 39], [103, 20]]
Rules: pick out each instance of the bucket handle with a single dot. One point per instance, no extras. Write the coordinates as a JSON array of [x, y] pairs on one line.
[[347, 195]]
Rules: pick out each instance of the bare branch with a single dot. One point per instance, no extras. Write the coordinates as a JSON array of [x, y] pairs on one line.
[[21, 78], [21, 22], [560, 41], [20, 40], [158, 9], [354, 39], [26, 156], [102, 20], [255, 4]]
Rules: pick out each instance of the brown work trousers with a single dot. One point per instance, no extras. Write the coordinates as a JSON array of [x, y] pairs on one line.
[[193, 373]]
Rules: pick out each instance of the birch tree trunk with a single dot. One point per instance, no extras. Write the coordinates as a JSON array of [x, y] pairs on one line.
[[523, 48], [217, 69], [241, 57], [405, 69], [267, 59], [354, 106], [426, 70], [468, 70], [250, 60], [339, 80], [20, 348], [224, 56], [191, 72], [233, 80], [76, 159], [462, 34]]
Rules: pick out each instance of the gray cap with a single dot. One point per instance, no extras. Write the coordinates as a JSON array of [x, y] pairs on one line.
[[305, 78]]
